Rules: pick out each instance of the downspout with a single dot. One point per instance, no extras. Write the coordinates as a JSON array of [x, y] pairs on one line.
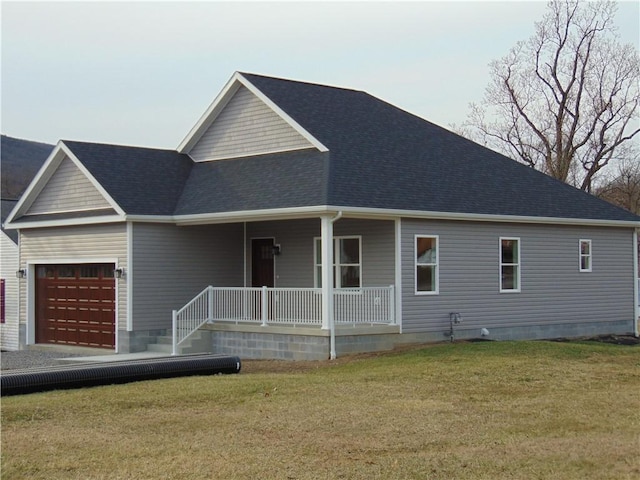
[[332, 320], [636, 300], [244, 254]]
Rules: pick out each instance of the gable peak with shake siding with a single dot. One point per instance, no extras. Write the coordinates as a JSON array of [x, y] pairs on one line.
[[63, 185], [243, 122]]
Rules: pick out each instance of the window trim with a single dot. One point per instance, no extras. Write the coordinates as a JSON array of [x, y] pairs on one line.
[[518, 266], [436, 291], [336, 266], [589, 255]]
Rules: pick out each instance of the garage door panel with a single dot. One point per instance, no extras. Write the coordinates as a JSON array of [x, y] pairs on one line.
[[75, 305]]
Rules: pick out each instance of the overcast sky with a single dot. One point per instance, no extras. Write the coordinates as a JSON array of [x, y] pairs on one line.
[[143, 73]]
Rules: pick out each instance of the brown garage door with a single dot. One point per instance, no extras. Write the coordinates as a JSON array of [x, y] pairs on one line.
[[75, 305]]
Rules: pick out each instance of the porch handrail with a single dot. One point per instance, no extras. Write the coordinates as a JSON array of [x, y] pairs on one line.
[[191, 317], [292, 306]]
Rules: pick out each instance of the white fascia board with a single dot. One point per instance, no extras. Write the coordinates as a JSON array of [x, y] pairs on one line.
[[386, 214], [251, 215], [295, 125], [66, 222], [221, 101], [475, 217], [150, 218]]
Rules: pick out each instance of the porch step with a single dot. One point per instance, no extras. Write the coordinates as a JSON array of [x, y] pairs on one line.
[[196, 343]]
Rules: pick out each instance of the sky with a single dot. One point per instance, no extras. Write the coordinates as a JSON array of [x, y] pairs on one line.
[[142, 73]]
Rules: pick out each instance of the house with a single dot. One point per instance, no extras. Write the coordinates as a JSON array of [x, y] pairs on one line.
[[8, 281], [298, 220]]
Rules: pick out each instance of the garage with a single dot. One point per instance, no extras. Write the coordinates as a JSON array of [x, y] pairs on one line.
[[75, 305]]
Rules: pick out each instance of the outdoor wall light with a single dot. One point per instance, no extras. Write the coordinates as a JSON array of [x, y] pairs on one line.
[[118, 272], [276, 249], [22, 273]]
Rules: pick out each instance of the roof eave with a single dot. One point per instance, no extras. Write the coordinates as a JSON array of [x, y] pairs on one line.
[[380, 213]]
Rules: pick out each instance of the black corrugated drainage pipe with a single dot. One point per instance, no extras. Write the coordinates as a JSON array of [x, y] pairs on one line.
[[18, 382]]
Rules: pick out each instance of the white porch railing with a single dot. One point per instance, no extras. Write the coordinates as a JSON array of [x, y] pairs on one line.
[[283, 306]]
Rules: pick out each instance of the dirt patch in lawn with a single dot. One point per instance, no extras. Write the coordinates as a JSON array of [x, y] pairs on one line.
[[291, 366], [613, 339]]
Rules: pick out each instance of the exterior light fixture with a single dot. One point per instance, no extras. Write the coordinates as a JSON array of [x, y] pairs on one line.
[[276, 249], [119, 272], [22, 273]]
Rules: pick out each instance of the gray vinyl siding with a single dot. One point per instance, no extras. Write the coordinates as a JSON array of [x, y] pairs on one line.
[[553, 290], [378, 249], [8, 267], [295, 266], [246, 126], [77, 244], [173, 264], [68, 190]]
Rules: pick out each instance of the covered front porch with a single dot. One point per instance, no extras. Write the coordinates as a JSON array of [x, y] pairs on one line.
[[314, 276]]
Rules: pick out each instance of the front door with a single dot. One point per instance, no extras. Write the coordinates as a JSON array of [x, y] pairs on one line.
[[262, 269]]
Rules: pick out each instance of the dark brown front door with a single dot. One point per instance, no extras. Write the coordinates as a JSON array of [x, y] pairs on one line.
[[262, 270], [75, 305]]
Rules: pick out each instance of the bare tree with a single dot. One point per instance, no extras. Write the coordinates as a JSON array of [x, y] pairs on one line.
[[565, 100], [623, 188]]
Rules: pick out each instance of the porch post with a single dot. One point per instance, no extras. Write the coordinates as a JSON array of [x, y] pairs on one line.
[[326, 242], [327, 271]]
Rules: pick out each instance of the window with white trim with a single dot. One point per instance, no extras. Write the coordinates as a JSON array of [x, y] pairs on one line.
[[509, 264], [585, 255], [426, 266], [347, 262]]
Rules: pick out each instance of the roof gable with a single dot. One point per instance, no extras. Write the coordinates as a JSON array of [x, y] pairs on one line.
[[246, 126], [67, 190], [243, 122], [72, 170]]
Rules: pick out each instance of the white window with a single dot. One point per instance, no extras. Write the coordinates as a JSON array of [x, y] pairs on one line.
[[426, 258], [509, 264], [347, 262], [585, 255]]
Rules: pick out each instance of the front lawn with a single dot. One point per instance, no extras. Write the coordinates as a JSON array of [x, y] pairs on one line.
[[470, 410]]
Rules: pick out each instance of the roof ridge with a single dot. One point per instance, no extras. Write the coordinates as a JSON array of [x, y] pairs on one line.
[[303, 82], [104, 144]]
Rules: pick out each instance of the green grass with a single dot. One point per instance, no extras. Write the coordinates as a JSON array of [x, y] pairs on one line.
[[477, 410]]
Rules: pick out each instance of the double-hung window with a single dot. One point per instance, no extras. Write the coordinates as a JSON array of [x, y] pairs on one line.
[[509, 264], [347, 262], [426, 267], [585, 255]]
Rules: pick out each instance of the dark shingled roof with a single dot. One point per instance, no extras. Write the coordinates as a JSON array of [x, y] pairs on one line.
[[379, 157], [384, 157], [143, 181], [293, 179]]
